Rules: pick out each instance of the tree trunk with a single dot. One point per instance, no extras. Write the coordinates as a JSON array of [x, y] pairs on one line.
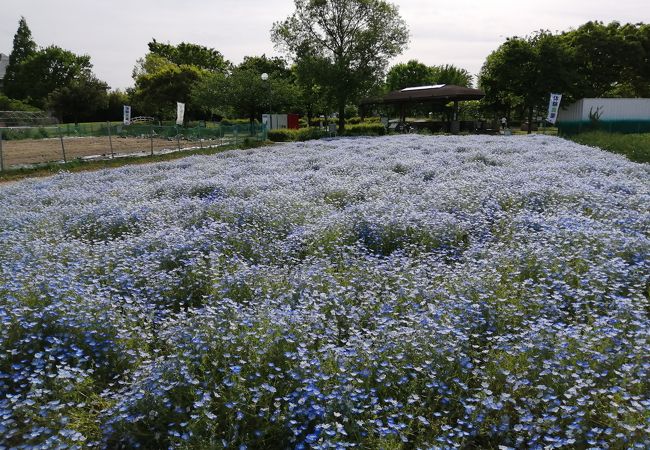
[[341, 116], [530, 120]]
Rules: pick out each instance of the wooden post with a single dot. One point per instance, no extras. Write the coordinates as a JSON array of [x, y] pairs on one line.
[[110, 140], [65, 160]]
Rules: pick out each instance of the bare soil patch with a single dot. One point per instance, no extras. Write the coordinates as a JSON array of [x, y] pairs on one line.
[[35, 151]]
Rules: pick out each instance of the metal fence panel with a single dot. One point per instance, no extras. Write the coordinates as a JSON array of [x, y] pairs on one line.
[[23, 146]]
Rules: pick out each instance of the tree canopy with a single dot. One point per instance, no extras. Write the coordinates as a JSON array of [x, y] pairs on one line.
[[409, 74], [170, 73], [350, 41], [45, 71], [23, 48], [594, 60]]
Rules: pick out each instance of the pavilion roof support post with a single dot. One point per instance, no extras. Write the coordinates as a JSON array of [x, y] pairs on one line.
[[455, 123]]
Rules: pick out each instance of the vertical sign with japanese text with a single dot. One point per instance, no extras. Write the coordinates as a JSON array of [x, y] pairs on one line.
[[553, 107], [127, 115]]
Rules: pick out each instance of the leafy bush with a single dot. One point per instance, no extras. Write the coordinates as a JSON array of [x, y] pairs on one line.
[[234, 122], [365, 129], [307, 134], [302, 134], [282, 135]]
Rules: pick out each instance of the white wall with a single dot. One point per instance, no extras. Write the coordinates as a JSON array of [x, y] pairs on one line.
[[609, 109]]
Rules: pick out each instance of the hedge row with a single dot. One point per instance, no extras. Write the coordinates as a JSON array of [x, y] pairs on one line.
[[306, 134]]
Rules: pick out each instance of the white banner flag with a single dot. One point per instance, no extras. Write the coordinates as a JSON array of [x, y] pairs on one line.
[[553, 107], [180, 113], [127, 115]]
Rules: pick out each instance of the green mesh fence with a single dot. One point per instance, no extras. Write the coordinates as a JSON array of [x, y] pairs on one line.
[[36, 145], [614, 126], [255, 131]]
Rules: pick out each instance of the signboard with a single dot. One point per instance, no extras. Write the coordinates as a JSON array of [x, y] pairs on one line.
[[127, 115], [180, 113], [553, 107]]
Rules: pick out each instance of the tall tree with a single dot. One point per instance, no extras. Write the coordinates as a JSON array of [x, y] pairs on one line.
[[350, 40], [410, 74], [609, 59], [23, 48], [46, 70], [170, 73], [450, 74], [191, 55], [523, 71], [79, 100]]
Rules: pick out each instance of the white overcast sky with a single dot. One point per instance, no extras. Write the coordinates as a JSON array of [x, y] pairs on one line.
[[115, 33]]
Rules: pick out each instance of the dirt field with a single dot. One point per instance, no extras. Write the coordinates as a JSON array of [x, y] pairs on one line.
[[34, 151]]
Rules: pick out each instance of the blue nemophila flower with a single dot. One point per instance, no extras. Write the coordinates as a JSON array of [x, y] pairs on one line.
[[442, 291]]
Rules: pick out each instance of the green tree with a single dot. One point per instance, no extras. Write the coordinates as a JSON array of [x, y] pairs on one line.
[[191, 55], [410, 74], [610, 60], [157, 93], [170, 74], [210, 95], [275, 67], [23, 48], [47, 70], [523, 71], [9, 104], [113, 108], [312, 96], [79, 100], [450, 74], [351, 41]]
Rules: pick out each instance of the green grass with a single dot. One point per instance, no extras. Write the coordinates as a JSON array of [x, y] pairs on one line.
[[635, 146], [80, 165]]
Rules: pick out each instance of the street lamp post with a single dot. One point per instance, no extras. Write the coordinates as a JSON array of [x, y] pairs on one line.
[[265, 77]]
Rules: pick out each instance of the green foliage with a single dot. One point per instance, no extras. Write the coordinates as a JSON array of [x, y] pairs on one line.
[[594, 60], [79, 99], [346, 43], [157, 93], [410, 74], [634, 146], [9, 104], [365, 129], [45, 71], [302, 134], [450, 74], [611, 60], [190, 55], [243, 93], [523, 71], [172, 73], [275, 67], [306, 134], [415, 73], [23, 48]]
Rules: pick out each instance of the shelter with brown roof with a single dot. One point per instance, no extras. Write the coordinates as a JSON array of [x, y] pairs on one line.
[[435, 94]]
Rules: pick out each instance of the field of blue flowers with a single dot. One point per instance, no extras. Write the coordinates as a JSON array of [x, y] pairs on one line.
[[396, 292]]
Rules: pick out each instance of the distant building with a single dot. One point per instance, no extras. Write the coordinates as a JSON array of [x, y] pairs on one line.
[[4, 62], [622, 115]]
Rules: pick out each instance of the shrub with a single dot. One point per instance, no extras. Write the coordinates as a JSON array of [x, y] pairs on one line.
[[365, 129], [307, 134], [282, 135]]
